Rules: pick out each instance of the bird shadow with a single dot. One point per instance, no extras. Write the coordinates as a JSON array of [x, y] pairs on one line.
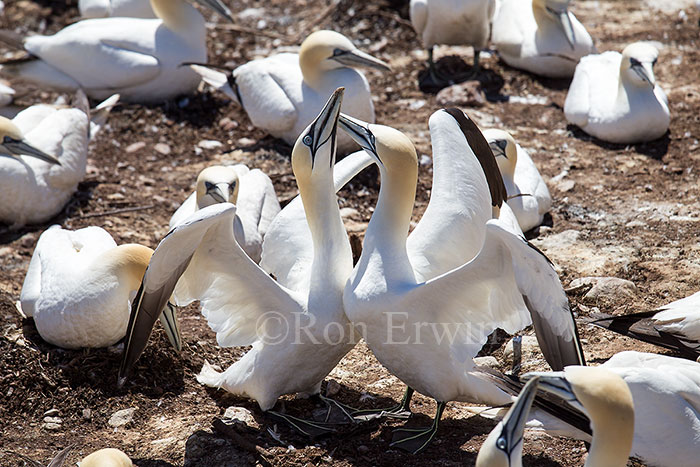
[[453, 65], [656, 149], [200, 110]]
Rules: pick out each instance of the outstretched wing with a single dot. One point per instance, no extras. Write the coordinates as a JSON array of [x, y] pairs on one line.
[[257, 199], [201, 258], [465, 173], [287, 247]]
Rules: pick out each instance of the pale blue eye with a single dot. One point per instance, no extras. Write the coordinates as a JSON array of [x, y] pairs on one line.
[[501, 443], [307, 140]]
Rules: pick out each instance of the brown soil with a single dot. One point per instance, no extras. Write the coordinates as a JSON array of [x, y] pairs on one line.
[[634, 209]]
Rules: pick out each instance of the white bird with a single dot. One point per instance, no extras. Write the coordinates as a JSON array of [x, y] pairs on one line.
[[115, 8], [108, 457], [297, 335], [283, 93], [675, 326], [426, 305], [250, 190], [615, 98], [601, 394], [449, 22], [79, 284], [137, 58], [34, 189], [540, 36], [7, 94], [527, 192]]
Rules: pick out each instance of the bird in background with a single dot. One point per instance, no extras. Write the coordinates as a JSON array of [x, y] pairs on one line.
[[283, 93], [116, 8]]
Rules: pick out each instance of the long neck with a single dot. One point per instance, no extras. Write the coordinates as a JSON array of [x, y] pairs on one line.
[[388, 229], [332, 262], [610, 446], [177, 15]]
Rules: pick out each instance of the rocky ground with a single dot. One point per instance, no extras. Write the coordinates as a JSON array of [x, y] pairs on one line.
[[628, 212]]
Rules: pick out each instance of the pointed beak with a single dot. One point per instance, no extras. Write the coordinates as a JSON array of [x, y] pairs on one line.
[[218, 7], [646, 72], [168, 318], [498, 147], [359, 131], [20, 148], [515, 419], [564, 22], [221, 192], [555, 382], [325, 127], [358, 58]]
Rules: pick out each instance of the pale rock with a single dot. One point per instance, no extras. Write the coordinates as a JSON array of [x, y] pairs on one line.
[[488, 361], [209, 144], [122, 417], [135, 147], [51, 413], [240, 415], [162, 148], [468, 94], [605, 288]]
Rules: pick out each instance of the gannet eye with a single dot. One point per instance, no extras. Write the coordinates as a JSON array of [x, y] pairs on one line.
[[232, 185], [337, 52], [501, 443], [6, 140], [634, 62], [209, 186], [307, 140], [653, 62]]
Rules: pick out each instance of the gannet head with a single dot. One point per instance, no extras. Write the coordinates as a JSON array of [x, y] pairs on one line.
[[557, 11], [12, 143], [504, 445], [107, 457], [504, 150], [326, 50], [217, 184], [390, 148], [128, 262], [176, 14], [606, 399], [637, 65]]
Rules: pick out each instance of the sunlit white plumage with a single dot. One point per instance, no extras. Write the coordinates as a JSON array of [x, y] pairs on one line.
[[250, 190], [79, 284], [7, 94], [34, 190], [615, 97], [458, 270], [243, 304], [540, 36], [115, 8], [283, 93], [528, 195], [137, 58]]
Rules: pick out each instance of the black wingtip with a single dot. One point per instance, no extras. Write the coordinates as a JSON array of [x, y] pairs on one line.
[[483, 152]]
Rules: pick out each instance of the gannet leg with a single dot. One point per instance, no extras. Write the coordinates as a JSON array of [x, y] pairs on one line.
[[414, 440], [402, 410], [312, 429]]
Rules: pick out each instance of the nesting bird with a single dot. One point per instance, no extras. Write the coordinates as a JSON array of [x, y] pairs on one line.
[[137, 58], [79, 285], [115, 8], [250, 190], [283, 93], [615, 98], [540, 36], [527, 193], [458, 270], [108, 457], [452, 23], [49, 157]]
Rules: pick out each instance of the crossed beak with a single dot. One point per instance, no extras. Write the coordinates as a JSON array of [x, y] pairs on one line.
[[358, 58], [359, 131], [17, 147]]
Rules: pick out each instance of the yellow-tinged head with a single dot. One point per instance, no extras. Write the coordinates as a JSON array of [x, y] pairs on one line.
[[108, 457], [326, 50], [217, 184], [128, 262], [504, 149], [12, 143], [178, 14], [637, 65]]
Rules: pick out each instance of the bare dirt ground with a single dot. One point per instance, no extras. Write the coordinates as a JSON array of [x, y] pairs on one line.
[[628, 212]]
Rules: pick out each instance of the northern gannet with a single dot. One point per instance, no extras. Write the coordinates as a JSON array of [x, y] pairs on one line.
[[250, 190], [137, 58], [528, 195], [605, 399], [615, 98], [34, 189], [283, 93], [115, 8], [675, 326], [447, 22], [297, 335], [540, 36], [79, 285], [108, 457], [459, 274]]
